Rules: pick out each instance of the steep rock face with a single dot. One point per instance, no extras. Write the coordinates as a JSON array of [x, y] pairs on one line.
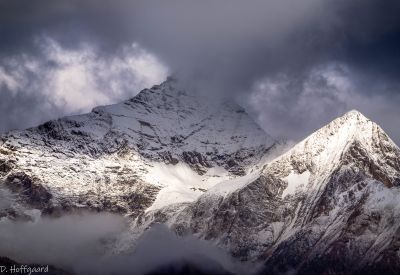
[[330, 204], [116, 157]]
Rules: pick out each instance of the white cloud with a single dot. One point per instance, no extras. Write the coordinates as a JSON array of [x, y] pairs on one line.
[[76, 80], [8, 81]]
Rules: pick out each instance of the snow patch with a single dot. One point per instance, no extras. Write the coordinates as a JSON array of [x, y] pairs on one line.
[[295, 181], [226, 187], [180, 183]]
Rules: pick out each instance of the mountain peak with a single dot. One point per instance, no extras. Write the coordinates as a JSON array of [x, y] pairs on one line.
[[352, 125], [327, 146], [354, 116], [354, 113]]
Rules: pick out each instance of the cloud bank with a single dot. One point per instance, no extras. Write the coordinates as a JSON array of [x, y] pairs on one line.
[[227, 49], [86, 244]]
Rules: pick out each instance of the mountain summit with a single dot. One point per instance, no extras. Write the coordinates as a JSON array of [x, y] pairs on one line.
[[165, 144]]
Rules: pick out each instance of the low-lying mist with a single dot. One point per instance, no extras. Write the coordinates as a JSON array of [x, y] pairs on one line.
[[69, 242], [85, 243]]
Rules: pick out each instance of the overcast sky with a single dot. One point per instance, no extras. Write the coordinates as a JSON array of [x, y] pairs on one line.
[[294, 64]]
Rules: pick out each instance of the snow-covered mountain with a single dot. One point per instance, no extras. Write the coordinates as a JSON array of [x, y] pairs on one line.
[[329, 205], [133, 155]]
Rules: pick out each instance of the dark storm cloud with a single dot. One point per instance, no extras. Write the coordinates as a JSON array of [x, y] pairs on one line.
[[246, 39], [227, 47]]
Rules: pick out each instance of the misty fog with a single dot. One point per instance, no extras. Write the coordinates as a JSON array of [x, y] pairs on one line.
[[84, 244]]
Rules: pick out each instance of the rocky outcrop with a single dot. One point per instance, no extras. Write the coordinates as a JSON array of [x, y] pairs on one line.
[[33, 193]]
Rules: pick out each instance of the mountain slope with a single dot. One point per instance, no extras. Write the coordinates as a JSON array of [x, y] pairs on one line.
[[330, 204], [120, 157]]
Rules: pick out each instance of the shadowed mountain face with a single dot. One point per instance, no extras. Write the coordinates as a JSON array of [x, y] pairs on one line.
[[328, 205]]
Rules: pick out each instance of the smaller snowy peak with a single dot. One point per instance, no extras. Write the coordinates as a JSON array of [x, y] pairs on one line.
[[354, 114], [351, 140], [338, 134], [354, 127], [352, 120]]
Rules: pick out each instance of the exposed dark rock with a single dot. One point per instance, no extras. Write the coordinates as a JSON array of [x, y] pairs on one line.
[[5, 166], [55, 130], [29, 189]]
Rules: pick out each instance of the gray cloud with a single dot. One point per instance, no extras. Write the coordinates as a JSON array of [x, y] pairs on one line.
[[304, 102], [226, 48], [66, 242], [59, 81]]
